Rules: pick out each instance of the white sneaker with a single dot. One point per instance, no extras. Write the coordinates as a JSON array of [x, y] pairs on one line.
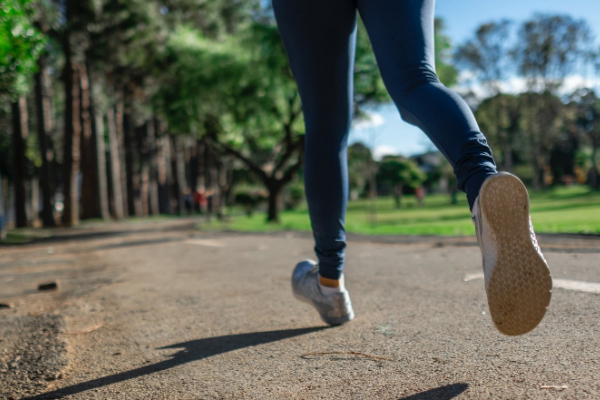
[[517, 278], [334, 309]]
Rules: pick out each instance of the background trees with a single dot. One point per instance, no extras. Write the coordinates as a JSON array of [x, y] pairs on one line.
[[532, 123], [137, 108]]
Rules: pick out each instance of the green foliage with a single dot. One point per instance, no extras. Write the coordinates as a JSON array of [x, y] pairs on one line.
[[294, 195], [20, 45], [399, 171], [368, 84], [445, 70], [549, 47], [501, 117], [360, 167], [249, 198], [486, 55]]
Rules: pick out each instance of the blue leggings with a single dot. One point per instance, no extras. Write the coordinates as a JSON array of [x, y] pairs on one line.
[[320, 37]]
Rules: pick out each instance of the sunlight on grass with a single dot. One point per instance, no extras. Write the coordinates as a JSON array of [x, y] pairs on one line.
[[561, 210]]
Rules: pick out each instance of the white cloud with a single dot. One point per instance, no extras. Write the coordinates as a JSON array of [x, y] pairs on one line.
[[577, 82], [372, 120], [517, 84], [380, 151]]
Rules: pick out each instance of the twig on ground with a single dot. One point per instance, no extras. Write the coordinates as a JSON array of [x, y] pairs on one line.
[[86, 330], [557, 387], [351, 353]]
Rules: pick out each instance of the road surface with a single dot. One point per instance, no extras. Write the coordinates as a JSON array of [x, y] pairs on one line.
[[163, 311]]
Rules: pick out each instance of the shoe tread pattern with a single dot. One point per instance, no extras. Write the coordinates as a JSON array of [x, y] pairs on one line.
[[520, 286]]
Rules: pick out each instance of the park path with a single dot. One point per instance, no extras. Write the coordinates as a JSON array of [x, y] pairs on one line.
[[162, 311]]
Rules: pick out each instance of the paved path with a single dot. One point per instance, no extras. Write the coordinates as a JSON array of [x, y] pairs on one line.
[[161, 311]]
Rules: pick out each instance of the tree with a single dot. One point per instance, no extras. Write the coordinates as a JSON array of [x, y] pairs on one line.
[[542, 118], [445, 70], [360, 168], [587, 120], [486, 55], [399, 172], [549, 47], [243, 101], [20, 44], [499, 117]]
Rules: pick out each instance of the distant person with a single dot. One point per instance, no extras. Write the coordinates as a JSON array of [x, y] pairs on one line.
[[420, 195], [200, 200], [320, 38], [188, 201]]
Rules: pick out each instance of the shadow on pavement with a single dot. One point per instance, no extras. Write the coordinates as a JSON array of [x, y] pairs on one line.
[[441, 393], [192, 351]]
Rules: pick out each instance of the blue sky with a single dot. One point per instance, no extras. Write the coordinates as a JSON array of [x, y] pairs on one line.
[[388, 134]]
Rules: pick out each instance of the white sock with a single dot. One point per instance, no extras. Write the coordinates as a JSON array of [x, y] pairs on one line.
[[327, 290]]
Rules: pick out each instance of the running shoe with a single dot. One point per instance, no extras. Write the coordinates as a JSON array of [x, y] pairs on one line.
[[517, 279], [334, 309]]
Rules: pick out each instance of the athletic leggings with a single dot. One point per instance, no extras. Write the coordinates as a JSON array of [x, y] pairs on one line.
[[320, 37]]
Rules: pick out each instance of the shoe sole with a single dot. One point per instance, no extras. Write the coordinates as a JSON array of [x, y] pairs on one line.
[[329, 321], [520, 287]]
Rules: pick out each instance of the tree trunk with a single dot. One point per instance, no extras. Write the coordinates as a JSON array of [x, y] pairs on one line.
[[123, 166], [115, 166], [275, 191], [101, 157], [35, 201], [19, 135], [594, 181], [130, 171], [201, 165], [208, 176], [90, 187], [507, 157], [153, 172], [178, 167], [43, 128], [536, 174], [225, 180], [72, 137], [398, 196], [144, 170], [193, 167], [164, 173], [2, 218]]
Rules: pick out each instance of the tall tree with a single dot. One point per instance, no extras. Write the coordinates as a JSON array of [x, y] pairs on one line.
[[587, 119], [19, 136], [549, 47], [542, 118], [44, 128], [486, 55], [499, 117], [20, 44]]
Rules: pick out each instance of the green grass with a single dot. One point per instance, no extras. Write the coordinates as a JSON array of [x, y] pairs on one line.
[[25, 235], [560, 210]]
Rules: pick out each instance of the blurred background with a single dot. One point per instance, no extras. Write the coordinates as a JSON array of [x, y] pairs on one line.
[[114, 110]]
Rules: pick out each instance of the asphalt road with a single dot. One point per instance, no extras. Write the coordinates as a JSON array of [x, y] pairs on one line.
[[161, 311]]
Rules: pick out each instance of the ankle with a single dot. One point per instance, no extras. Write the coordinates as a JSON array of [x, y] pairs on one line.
[[331, 286], [332, 283]]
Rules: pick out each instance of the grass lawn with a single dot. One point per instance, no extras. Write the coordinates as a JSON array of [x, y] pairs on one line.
[[564, 210]]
